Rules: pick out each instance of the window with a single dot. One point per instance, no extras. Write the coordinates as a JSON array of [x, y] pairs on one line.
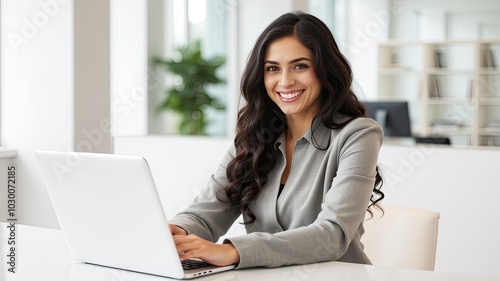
[[190, 20]]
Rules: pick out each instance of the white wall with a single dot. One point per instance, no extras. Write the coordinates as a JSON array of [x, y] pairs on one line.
[[368, 24], [181, 166], [250, 28], [129, 67], [37, 82], [446, 19], [55, 89]]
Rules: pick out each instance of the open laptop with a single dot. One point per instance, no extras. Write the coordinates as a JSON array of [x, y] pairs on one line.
[[110, 213]]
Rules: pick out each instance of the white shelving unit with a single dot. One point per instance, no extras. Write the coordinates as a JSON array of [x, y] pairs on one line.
[[455, 83]]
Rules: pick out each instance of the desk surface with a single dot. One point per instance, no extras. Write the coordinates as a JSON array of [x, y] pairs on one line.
[[41, 254]]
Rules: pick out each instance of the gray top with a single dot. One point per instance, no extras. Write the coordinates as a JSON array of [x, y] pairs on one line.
[[319, 214]]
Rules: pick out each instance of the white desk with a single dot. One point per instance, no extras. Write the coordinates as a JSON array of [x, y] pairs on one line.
[[42, 255]]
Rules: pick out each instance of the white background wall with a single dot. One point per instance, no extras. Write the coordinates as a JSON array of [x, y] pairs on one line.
[[368, 23], [129, 67], [429, 20], [55, 89], [36, 99]]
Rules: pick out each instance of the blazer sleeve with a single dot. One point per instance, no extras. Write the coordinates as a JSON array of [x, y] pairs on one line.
[[334, 235], [208, 215]]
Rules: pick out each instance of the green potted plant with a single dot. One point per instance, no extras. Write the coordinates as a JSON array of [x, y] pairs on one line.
[[189, 97]]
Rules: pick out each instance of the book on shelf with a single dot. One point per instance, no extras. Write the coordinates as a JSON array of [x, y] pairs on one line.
[[470, 90], [489, 58], [439, 59], [491, 141], [434, 91], [492, 58]]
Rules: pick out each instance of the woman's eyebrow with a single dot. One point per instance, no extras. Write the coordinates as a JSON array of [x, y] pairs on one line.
[[290, 62]]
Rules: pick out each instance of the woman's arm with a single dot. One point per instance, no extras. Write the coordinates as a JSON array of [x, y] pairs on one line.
[[208, 216]]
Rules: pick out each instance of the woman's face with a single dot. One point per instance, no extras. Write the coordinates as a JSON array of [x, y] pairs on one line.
[[290, 78]]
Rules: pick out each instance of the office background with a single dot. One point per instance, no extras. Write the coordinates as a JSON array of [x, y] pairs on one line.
[[75, 76]]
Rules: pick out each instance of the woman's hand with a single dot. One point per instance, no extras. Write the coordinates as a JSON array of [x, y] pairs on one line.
[[192, 246]]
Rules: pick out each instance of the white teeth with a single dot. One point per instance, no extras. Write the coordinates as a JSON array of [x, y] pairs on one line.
[[290, 95]]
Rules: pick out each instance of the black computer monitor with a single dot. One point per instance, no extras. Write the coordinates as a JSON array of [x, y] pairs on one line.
[[393, 116]]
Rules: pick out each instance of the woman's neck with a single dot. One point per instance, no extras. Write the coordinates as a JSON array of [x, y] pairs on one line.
[[296, 128]]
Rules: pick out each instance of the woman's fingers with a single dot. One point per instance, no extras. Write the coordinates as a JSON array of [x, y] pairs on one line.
[[192, 246], [187, 243]]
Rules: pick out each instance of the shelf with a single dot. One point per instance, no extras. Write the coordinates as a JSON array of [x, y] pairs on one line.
[[6, 152], [452, 131], [490, 140], [400, 57], [489, 71], [388, 97], [466, 88], [448, 71], [397, 43], [488, 132], [398, 70], [489, 101], [448, 101]]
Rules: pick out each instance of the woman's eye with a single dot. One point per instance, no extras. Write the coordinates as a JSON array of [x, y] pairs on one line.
[[301, 66], [272, 68]]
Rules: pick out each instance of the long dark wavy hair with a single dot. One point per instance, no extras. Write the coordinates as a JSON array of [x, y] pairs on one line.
[[261, 122]]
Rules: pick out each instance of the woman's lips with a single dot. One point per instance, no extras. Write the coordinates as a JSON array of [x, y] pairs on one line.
[[289, 96]]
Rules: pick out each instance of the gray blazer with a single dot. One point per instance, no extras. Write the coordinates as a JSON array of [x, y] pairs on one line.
[[319, 214]]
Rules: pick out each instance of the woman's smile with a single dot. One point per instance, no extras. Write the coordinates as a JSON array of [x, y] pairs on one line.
[[290, 96]]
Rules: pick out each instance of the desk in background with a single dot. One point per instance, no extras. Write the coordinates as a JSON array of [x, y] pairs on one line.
[[42, 255]]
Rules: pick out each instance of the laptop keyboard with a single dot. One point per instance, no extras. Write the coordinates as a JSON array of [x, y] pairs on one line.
[[194, 264]]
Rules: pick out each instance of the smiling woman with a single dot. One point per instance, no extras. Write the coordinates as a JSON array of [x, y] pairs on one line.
[[291, 81], [303, 163]]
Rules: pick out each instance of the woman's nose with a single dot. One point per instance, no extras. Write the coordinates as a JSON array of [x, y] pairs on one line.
[[286, 79]]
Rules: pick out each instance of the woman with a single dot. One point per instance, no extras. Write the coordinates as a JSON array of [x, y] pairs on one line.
[[303, 168]]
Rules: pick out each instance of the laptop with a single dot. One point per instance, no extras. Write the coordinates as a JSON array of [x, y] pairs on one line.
[[110, 213]]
